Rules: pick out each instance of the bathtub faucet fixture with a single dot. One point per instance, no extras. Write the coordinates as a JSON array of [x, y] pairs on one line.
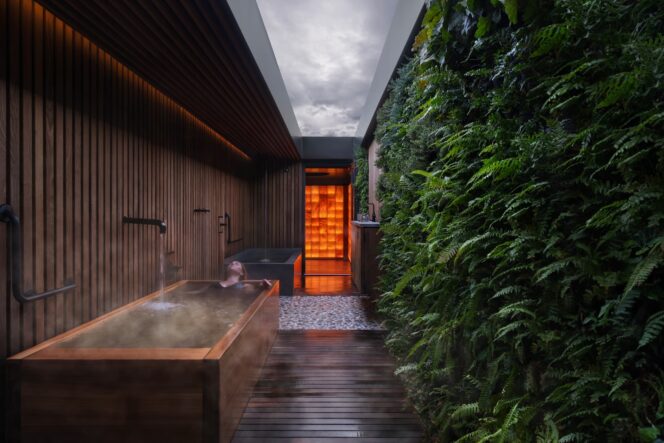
[[146, 221]]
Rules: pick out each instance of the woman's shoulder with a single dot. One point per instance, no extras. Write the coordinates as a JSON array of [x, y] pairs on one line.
[[224, 284]]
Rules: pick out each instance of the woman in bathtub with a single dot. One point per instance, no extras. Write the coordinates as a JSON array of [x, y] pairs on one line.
[[236, 274]]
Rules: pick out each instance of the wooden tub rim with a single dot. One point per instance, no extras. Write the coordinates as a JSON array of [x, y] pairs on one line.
[[46, 351]]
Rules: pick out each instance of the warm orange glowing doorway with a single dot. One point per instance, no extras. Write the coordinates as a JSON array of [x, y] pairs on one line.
[[325, 221], [327, 213], [327, 216]]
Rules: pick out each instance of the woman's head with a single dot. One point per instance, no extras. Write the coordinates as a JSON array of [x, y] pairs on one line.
[[236, 268]]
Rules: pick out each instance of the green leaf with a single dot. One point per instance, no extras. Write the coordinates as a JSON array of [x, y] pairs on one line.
[[465, 411], [648, 434], [642, 271], [511, 9], [550, 38], [653, 329], [483, 26], [509, 328], [421, 173]]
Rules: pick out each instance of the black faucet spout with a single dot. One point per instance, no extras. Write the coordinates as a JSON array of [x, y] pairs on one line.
[[146, 221]]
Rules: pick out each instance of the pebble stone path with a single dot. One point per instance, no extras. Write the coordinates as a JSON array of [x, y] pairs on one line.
[[340, 312]]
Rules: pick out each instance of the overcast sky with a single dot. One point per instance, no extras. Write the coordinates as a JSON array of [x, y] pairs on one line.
[[327, 51]]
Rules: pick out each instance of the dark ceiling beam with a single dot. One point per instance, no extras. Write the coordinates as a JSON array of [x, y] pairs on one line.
[[149, 57], [215, 31], [194, 52]]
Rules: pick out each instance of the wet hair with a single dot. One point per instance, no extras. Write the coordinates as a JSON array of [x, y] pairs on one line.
[[244, 275]]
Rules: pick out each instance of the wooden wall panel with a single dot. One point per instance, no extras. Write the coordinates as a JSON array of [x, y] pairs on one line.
[[4, 196], [84, 141], [4, 170], [279, 205]]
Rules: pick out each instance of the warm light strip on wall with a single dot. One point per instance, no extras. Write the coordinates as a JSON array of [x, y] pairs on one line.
[[169, 100], [220, 137]]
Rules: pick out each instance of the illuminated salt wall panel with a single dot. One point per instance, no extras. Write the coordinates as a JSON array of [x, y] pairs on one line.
[[325, 220]]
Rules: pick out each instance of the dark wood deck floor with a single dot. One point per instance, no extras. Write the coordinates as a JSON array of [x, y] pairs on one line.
[[328, 386]]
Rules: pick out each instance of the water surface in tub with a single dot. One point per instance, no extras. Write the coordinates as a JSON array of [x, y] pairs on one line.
[[192, 316]]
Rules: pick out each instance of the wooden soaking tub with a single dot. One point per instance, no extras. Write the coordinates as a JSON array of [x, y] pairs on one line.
[[177, 367]]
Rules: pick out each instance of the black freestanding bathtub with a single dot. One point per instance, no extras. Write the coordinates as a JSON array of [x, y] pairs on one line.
[[283, 264]]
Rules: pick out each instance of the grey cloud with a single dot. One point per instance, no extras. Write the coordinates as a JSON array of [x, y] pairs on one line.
[[327, 51]]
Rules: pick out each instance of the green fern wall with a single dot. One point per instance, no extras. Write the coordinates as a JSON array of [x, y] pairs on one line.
[[361, 183], [523, 220]]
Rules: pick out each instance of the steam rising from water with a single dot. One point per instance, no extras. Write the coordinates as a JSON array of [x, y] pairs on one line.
[[196, 315]]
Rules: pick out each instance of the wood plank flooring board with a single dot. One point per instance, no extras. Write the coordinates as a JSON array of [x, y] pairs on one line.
[[328, 386]]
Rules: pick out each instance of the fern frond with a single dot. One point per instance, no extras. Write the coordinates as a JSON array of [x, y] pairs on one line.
[[509, 290], [497, 169], [557, 266], [473, 437], [617, 384], [515, 308], [509, 328], [574, 437], [465, 411], [412, 273], [549, 432], [510, 420], [549, 38], [642, 271], [617, 87], [653, 329], [471, 242], [448, 253]]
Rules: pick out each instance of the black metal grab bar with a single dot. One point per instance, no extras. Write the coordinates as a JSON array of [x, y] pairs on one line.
[[146, 221], [7, 215], [227, 217]]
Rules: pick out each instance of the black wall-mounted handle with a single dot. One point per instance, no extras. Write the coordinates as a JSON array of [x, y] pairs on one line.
[[202, 210], [221, 223], [227, 217], [8, 216]]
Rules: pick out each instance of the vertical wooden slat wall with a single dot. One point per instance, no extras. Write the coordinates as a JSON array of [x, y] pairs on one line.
[[84, 141], [279, 205]]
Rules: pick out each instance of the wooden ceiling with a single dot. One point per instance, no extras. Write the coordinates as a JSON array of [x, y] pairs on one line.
[[194, 52]]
